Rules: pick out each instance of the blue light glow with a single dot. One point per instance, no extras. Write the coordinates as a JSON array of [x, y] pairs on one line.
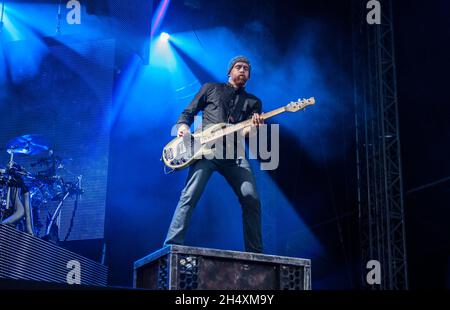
[[165, 36]]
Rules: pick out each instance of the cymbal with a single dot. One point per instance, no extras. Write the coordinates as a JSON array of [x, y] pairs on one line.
[[27, 144]]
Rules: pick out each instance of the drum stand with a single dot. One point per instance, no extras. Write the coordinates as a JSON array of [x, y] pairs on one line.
[[57, 212]]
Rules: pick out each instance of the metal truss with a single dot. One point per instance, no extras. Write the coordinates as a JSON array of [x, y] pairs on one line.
[[380, 186]]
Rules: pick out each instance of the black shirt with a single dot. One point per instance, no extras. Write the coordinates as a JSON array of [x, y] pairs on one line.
[[217, 101]]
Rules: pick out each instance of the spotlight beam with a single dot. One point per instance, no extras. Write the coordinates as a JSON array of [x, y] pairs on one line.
[[200, 73], [159, 15]]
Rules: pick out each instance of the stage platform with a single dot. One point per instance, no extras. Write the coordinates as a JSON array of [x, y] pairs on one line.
[[190, 268]]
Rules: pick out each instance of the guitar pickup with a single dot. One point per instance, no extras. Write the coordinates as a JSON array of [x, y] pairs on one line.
[[168, 154], [182, 148]]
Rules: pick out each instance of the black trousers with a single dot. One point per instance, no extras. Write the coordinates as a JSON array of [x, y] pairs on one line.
[[238, 174]]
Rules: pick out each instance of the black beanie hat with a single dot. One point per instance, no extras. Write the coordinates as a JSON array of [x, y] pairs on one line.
[[237, 59]]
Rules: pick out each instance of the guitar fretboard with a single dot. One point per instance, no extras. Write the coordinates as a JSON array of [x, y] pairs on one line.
[[230, 129]]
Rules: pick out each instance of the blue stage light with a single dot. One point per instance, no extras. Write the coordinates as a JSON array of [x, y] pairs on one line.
[[164, 36]]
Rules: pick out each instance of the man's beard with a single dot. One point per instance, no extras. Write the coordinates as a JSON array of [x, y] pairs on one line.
[[240, 80]]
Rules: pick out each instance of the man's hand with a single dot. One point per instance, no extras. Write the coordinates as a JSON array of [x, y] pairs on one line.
[[257, 119], [182, 130]]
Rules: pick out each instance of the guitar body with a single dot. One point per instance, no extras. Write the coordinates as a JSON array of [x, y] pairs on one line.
[[182, 152]]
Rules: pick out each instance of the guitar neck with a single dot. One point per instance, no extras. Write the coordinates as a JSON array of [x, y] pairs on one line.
[[273, 113], [242, 125], [249, 122]]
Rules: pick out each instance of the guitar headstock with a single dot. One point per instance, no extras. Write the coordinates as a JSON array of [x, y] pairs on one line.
[[295, 106]]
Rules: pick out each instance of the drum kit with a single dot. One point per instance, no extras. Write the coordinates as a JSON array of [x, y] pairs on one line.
[[25, 196]]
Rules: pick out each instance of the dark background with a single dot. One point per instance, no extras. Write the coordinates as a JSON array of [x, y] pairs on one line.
[[422, 46]]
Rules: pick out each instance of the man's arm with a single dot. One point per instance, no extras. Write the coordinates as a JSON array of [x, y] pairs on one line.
[[187, 116], [255, 115]]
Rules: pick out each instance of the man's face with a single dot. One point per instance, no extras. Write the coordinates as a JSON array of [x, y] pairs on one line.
[[240, 73]]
